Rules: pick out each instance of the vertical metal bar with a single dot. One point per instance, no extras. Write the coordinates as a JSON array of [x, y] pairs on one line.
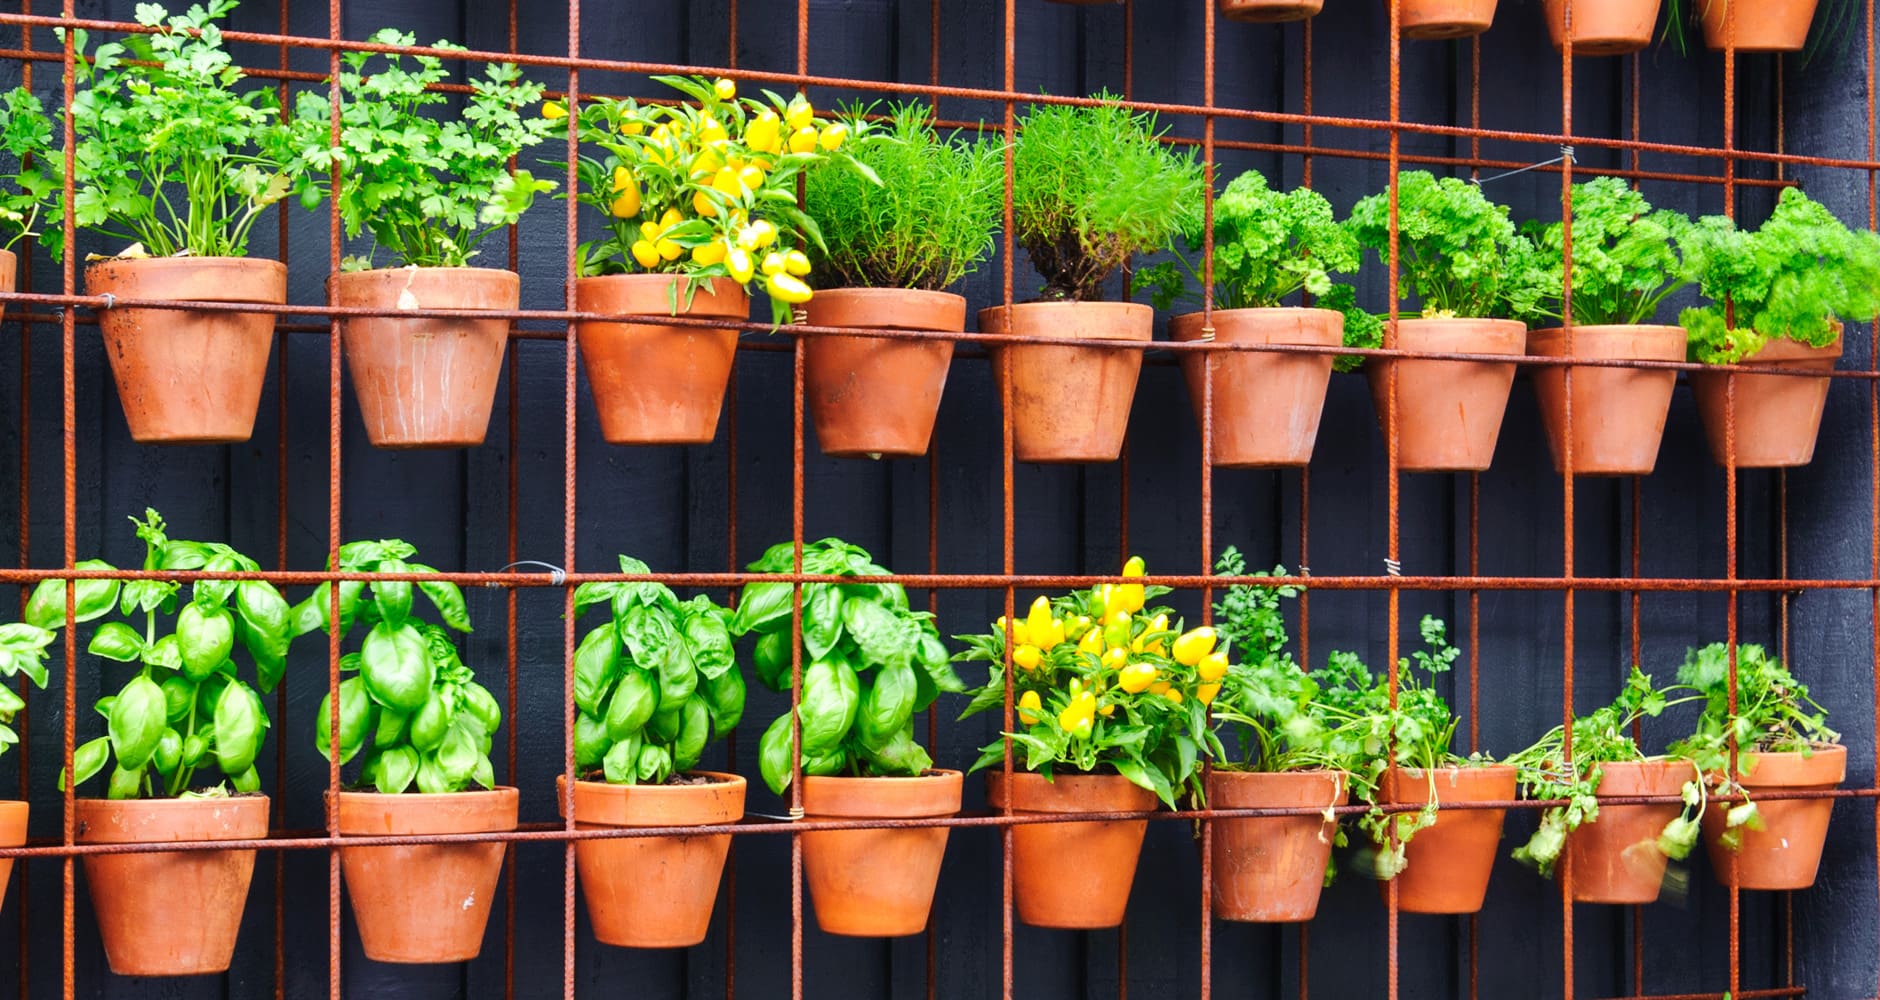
[[1873, 411], [23, 686], [1730, 478], [1392, 546], [513, 365], [933, 512], [1008, 500], [1207, 454], [1475, 532], [334, 469], [1566, 488], [1638, 726], [69, 422], [731, 595], [796, 621], [569, 481], [280, 562]]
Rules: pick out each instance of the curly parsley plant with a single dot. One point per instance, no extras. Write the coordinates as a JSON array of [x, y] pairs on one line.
[[1459, 255], [1627, 257]]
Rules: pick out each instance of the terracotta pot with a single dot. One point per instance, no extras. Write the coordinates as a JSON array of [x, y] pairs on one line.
[[1271, 870], [657, 384], [425, 383], [170, 913], [12, 834], [1615, 858], [876, 883], [1448, 412], [1786, 852], [873, 396], [1074, 876], [1270, 11], [9, 275], [1266, 406], [1448, 864], [1445, 18], [423, 903], [189, 377], [1618, 413], [1778, 417], [1603, 27], [1100, 381], [1761, 25], [653, 892]]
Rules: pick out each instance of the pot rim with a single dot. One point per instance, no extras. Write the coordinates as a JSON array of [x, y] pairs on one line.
[[143, 262], [896, 796], [250, 802], [379, 272], [727, 783]]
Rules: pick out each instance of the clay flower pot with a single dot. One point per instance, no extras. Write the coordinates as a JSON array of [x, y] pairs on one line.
[[1074, 876], [9, 275], [876, 883], [657, 384], [1444, 18], [1615, 858], [1603, 27], [1778, 417], [423, 903], [653, 892], [1270, 870], [188, 377], [871, 395], [1761, 25], [1070, 404], [1266, 406], [425, 383], [1270, 11], [1448, 864], [1448, 412], [170, 913], [1786, 852], [1618, 413], [12, 834]]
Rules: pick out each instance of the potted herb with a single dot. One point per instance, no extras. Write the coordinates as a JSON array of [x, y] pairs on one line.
[[870, 663], [1111, 719], [1626, 262], [25, 137], [1443, 19], [1618, 853], [1602, 27], [1777, 740], [1093, 186], [699, 201], [894, 240], [1469, 270], [173, 160], [425, 726], [1780, 26], [183, 716], [429, 189], [23, 651], [1270, 11], [652, 686], [1268, 245], [1790, 283]]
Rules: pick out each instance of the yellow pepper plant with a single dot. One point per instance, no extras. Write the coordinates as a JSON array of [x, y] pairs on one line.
[[1104, 680], [705, 188]]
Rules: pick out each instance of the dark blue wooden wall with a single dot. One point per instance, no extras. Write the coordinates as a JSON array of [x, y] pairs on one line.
[[668, 506]]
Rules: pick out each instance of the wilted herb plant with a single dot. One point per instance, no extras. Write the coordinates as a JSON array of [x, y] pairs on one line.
[[1626, 256], [1458, 253], [33, 176]]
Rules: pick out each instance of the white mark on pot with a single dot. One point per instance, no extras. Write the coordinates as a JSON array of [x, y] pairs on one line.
[[1785, 843], [469, 901]]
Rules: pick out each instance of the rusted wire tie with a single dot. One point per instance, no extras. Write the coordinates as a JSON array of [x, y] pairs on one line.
[[1566, 156], [556, 575], [1391, 566]]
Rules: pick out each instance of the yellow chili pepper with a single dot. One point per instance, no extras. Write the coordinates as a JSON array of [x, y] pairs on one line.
[[1157, 624], [833, 136], [763, 134], [773, 263], [725, 89], [1038, 619], [803, 140], [1029, 706], [632, 128], [1212, 667], [650, 229], [738, 265], [1117, 603], [751, 177], [707, 254], [1207, 693], [1091, 643], [1173, 695], [703, 205], [669, 249], [797, 262], [725, 182], [672, 218], [1136, 677], [1076, 628], [1027, 657], [1135, 567], [800, 113], [706, 163], [1115, 658], [646, 253], [1159, 687], [1106, 710], [710, 133], [787, 288], [1193, 645], [554, 111]]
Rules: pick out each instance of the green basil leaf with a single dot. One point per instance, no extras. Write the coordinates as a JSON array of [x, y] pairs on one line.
[[165, 653], [396, 665], [900, 756], [93, 598], [725, 696], [761, 605], [622, 762], [88, 760], [116, 641], [204, 639], [635, 701], [136, 722], [596, 667], [457, 758], [431, 724], [710, 643], [591, 740], [695, 728], [887, 707], [773, 754], [822, 619], [392, 597], [881, 635], [397, 769], [831, 694]]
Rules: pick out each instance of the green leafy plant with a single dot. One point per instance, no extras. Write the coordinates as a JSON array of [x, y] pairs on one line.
[[429, 189], [186, 709], [1266, 697], [653, 685], [926, 218], [26, 138], [1094, 186], [869, 664], [1458, 253], [1774, 714], [1797, 276], [1626, 256], [171, 155]]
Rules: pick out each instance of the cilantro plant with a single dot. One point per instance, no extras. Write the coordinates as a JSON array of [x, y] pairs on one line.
[[171, 155], [1094, 186], [26, 139], [1267, 701], [1626, 256], [429, 189], [927, 221], [1459, 255], [1797, 277]]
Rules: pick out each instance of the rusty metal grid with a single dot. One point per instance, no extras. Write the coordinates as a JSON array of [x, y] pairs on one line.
[[62, 308]]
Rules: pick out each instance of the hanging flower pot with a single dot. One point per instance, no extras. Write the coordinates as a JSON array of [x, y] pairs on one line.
[[876, 883], [1761, 26], [1618, 413], [423, 903], [1266, 405], [1270, 870], [654, 892], [1073, 875], [170, 913], [425, 383], [187, 376], [1426, 19], [1615, 856], [871, 395], [1448, 412], [1270, 11], [658, 384], [1785, 853], [1447, 865], [1070, 403], [1778, 417], [1603, 27], [12, 834]]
